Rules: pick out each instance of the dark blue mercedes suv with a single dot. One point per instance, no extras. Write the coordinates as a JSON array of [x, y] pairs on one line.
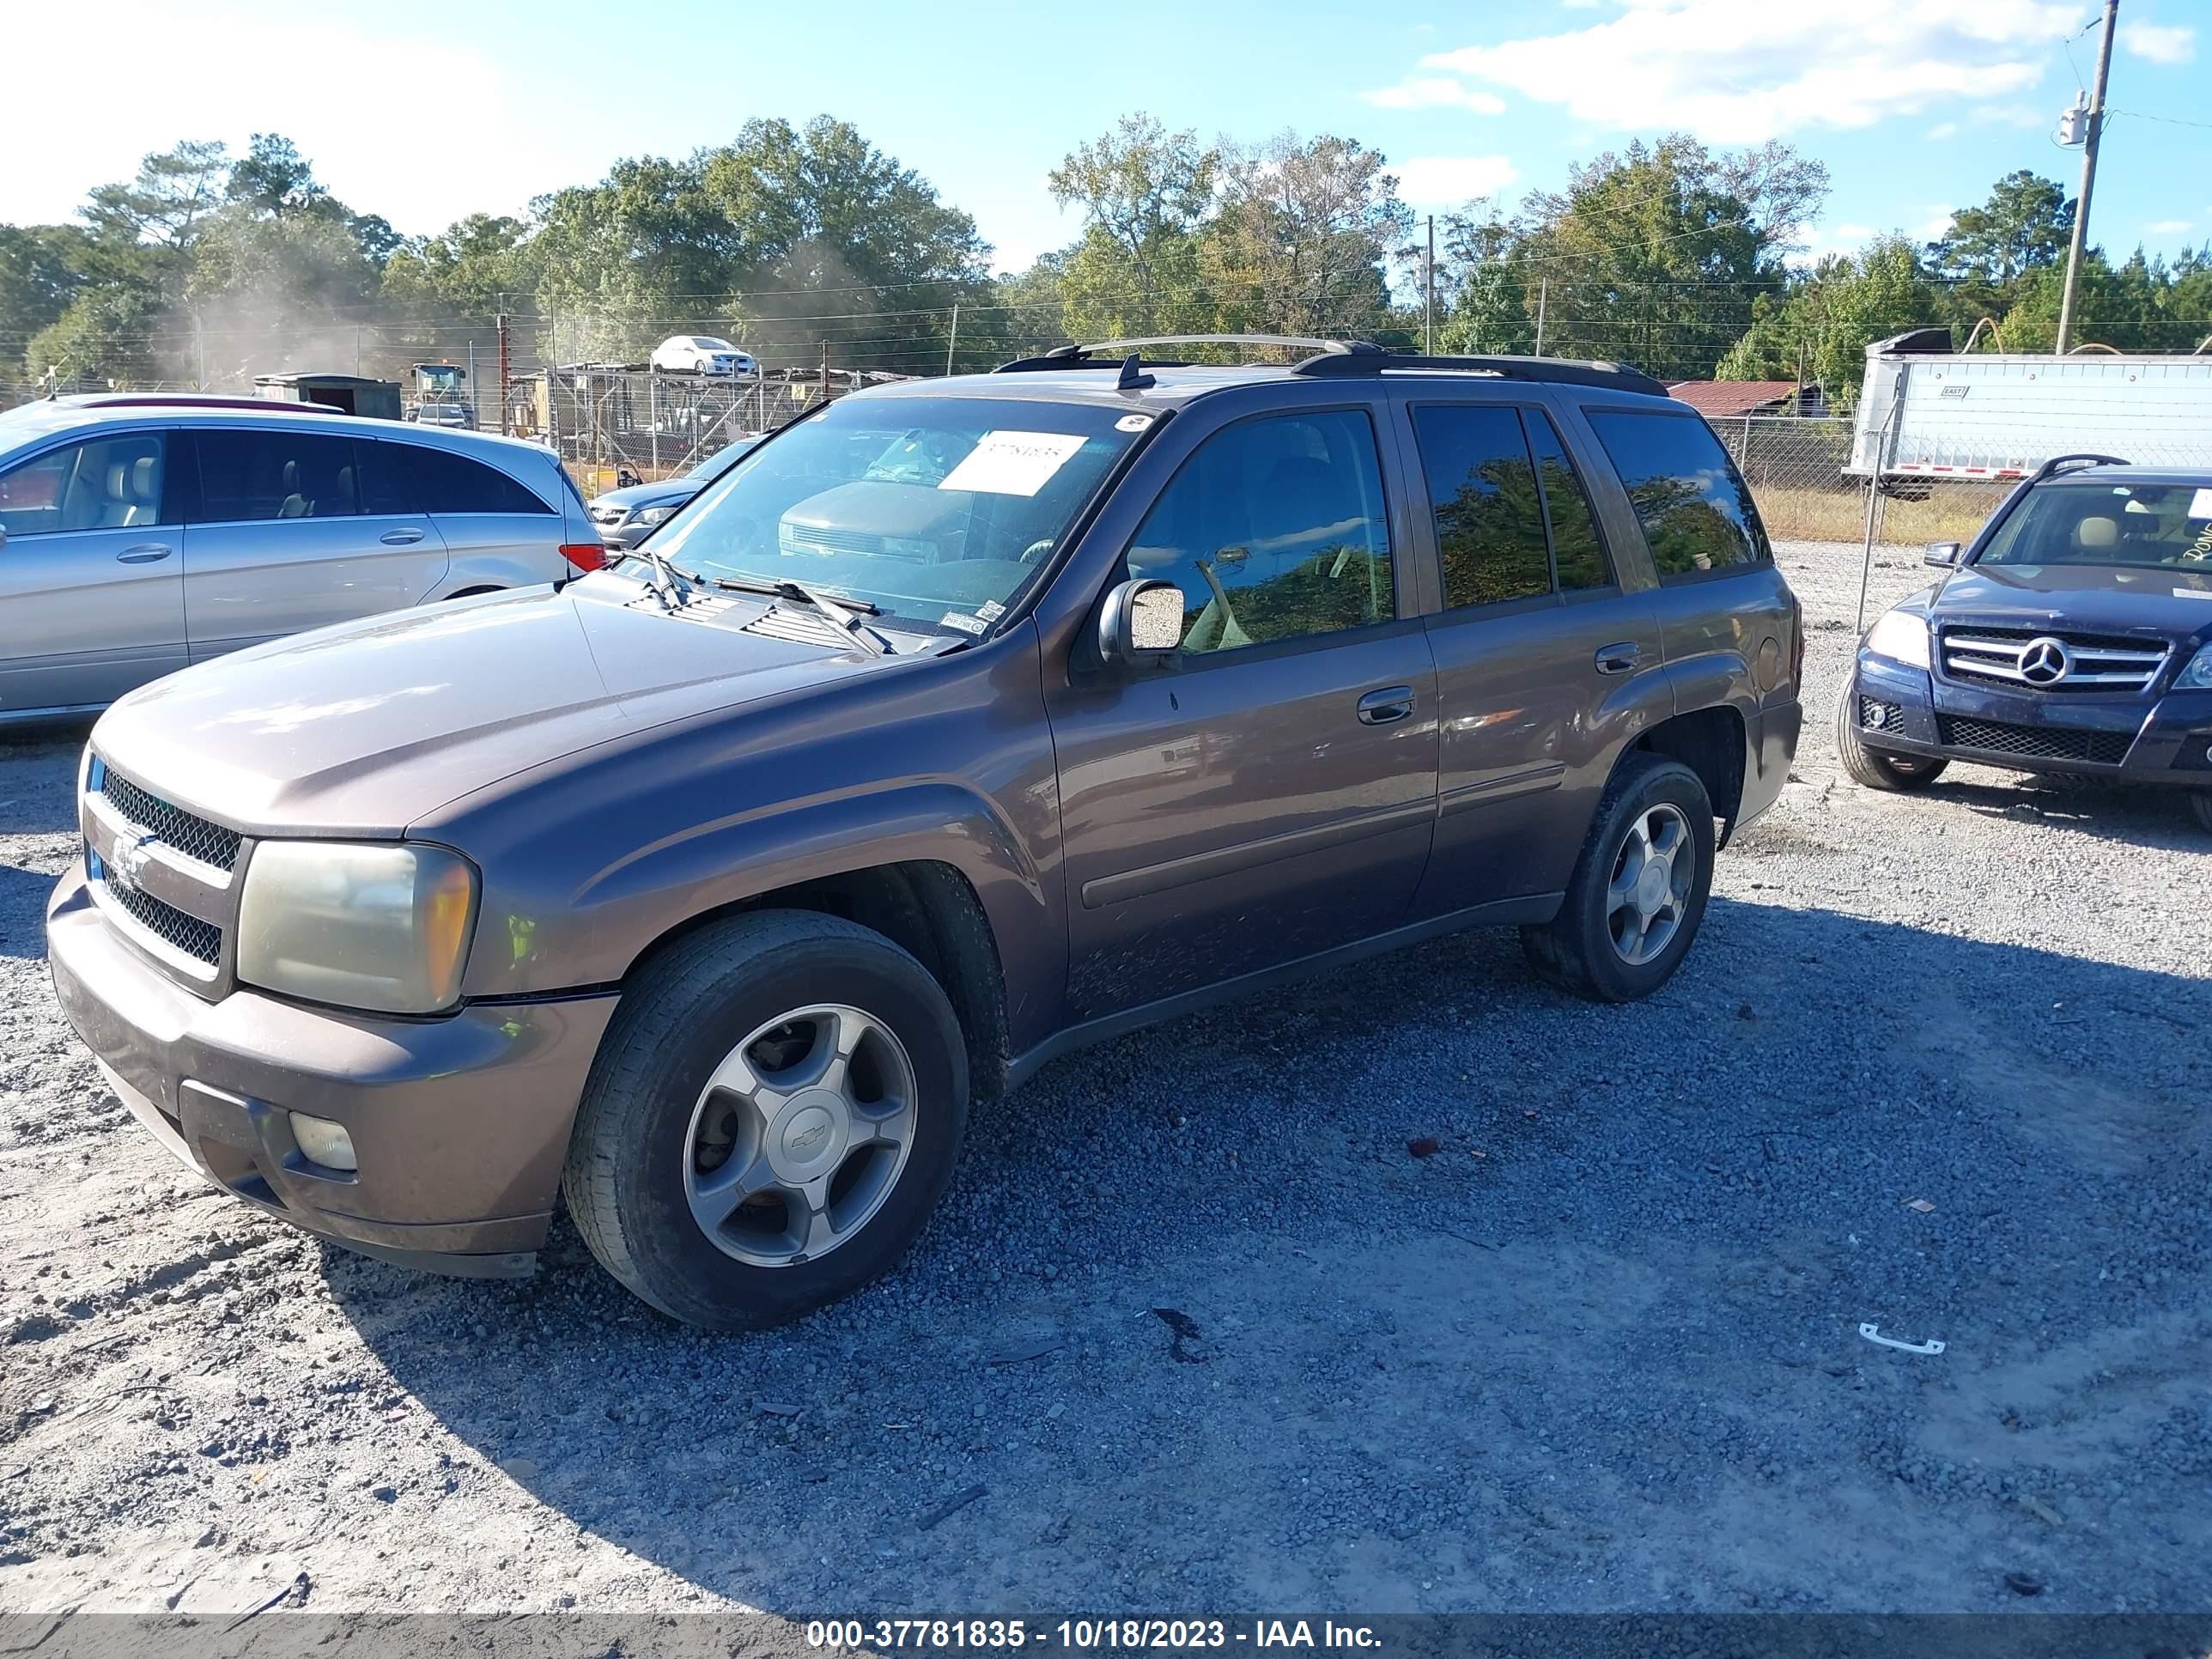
[[2074, 634]]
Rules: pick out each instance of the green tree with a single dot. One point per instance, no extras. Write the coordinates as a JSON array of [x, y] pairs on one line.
[[481, 264], [1144, 192], [1304, 232], [2027, 223], [1821, 324]]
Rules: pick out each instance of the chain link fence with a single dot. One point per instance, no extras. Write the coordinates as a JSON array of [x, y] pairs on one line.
[[1795, 467]]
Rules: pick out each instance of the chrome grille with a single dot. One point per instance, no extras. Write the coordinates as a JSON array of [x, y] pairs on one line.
[[2028, 660], [200, 940], [2036, 741], [193, 836]]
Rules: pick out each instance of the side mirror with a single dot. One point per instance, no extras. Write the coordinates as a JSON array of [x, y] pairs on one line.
[[1943, 554], [1141, 623]]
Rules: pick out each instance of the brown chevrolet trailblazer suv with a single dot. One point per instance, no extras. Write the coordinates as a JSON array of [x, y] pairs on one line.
[[962, 722]]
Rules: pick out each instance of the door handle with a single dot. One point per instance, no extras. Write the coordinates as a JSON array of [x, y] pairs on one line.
[[144, 553], [1392, 702], [400, 537], [1619, 659]]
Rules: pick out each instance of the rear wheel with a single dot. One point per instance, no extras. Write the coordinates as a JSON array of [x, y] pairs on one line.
[[771, 1119], [2202, 801], [1879, 768], [1637, 895]]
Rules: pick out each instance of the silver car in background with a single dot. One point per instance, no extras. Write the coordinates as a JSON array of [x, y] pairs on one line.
[[139, 533]]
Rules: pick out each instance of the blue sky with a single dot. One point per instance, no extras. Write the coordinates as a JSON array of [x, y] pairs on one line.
[[425, 111]]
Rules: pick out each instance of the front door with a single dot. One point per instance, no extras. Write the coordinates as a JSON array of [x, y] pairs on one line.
[[1272, 795], [280, 544], [91, 589], [1541, 651]]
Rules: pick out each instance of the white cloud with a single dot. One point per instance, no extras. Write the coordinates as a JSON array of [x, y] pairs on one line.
[[424, 172], [1741, 72], [1448, 181], [2161, 43], [2166, 227], [2001, 115], [1435, 92], [1943, 130]]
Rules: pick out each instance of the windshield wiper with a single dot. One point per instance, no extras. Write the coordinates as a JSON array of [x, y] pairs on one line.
[[672, 587], [843, 614]]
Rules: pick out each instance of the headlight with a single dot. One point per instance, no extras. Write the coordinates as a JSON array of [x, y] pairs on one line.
[[1901, 636], [2196, 674], [651, 515], [383, 928]]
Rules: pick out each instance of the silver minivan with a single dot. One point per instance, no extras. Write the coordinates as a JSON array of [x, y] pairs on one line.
[[139, 533]]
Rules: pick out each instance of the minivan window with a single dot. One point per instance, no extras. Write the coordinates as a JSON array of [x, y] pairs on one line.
[[1274, 529], [108, 483], [1482, 494], [247, 476], [399, 477], [1695, 508]]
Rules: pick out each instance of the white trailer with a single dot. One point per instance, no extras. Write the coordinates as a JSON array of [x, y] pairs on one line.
[[1933, 413]]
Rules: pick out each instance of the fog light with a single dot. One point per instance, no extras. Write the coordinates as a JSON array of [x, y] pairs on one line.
[[1875, 713], [324, 1142]]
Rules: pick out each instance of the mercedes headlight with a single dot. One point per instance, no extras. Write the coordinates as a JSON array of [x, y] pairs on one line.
[[2196, 673], [653, 515], [381, 929], [1901, 636]]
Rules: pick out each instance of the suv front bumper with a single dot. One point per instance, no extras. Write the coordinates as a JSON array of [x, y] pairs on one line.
[[459, 1124], [2162, 740]]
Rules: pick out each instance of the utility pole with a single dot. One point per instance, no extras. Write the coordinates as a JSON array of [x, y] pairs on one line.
[[2089, 177], [1543, 299], [825, 371], [499, 323], [954, 338], [1429, 293]]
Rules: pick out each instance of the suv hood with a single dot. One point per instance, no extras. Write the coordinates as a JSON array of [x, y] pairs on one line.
[[649, 495], [364, 728], [2093, 597]]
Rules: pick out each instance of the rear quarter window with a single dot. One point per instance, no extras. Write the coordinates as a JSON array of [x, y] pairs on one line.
[[1694, 506], [406, 477]]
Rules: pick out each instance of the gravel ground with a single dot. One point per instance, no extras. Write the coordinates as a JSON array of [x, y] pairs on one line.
[[1936, 1063]]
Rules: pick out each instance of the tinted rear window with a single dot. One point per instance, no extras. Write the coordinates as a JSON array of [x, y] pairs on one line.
[[246, 477], [1695, 508], [404, 478]]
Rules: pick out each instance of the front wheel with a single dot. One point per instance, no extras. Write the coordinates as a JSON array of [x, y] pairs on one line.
[[2201, 800], [1637, 895], [772, 1117], [1879, 768]]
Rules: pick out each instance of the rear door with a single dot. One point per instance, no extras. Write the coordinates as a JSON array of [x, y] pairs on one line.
[[91, 585], [279, 543], [1271, 796], [493, 526], [1544, 635]]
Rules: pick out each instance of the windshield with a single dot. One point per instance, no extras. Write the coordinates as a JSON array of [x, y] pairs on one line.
[[936, 510], [2086, 523], [722, 459]]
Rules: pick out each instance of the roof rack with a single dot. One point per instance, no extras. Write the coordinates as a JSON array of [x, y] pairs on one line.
[[1556, 371], [1343, 357], [1112, 354]]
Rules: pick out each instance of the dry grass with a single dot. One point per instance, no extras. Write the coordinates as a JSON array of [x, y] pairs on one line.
[[1953, 513]]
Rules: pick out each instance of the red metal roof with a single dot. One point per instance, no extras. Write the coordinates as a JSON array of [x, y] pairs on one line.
[[1715, 398]]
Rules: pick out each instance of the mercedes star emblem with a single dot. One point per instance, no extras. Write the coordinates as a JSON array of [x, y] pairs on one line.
[[2044, 662]]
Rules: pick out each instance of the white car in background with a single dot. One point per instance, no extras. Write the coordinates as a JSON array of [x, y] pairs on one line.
[[702, 354]]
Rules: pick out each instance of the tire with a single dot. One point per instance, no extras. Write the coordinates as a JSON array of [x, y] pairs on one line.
[[650, 1123], [1879, 768], [1578, 951], [2201, 801]]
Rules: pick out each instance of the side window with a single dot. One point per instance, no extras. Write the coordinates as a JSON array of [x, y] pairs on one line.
[[249, 476], [108, 483], [1275, 528], [1695, 508], [1482, 490], [407, 477], [1575, 549]]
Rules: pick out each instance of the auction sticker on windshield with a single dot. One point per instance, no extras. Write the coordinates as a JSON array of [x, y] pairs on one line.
[[1013, 463]]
